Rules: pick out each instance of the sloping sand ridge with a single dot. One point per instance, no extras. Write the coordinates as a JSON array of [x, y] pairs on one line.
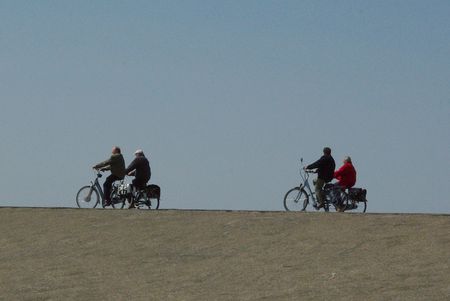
[[89, 254]]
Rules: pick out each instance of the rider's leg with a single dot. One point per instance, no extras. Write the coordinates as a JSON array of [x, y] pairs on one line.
[[107, 187], [139, 183], [319, 183]]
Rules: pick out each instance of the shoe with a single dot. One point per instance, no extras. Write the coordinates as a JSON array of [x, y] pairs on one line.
[[107, 203], [318, 206]]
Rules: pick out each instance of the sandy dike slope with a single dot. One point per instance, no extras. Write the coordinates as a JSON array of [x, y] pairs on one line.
[[94, 254]]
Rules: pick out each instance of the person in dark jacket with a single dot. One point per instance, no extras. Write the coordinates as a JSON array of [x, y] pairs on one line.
[[116, 164], [325, 172], [140, 169]]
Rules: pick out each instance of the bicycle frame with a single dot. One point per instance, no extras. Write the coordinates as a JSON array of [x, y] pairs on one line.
[[96, 185], [306, 186]]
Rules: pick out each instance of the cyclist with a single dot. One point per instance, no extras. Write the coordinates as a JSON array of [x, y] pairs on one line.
[[116, 164], [140, 169], [325, 171], [346, 174]]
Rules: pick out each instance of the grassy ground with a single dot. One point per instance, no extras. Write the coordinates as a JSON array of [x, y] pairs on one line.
[[90, 254]]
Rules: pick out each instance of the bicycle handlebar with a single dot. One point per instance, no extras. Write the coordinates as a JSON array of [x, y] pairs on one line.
[[98, 172]]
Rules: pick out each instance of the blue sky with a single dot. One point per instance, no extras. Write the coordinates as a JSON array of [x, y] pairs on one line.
[[225, 97]]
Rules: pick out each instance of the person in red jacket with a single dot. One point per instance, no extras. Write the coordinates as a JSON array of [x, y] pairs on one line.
[[346, 175]]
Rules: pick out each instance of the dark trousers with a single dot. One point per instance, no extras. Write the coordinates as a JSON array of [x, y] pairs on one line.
[[139, 183], [107, 186]]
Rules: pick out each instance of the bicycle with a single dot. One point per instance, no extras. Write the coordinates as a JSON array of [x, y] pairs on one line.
[[297, 199], [147, 198], [90, 196]]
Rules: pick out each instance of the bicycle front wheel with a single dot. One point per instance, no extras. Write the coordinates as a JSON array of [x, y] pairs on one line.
[[117, 201], [87, 197], [296, 199]]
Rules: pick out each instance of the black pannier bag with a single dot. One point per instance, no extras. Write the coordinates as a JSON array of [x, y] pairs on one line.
[[357, 194], [153, 191]]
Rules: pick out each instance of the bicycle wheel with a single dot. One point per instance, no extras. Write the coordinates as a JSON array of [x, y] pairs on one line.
[[87, 197], [154, 195], [117, 201], [296, 199], [154, 203], [353, 206], [142, 201], [328, 202]]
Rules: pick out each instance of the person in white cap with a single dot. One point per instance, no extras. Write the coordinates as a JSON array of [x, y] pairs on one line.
[[140, 169]]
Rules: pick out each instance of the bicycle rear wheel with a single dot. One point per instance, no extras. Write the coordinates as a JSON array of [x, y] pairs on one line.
[[154, 203], [87, 197], [142, 201], [352, 206], [296, 199]]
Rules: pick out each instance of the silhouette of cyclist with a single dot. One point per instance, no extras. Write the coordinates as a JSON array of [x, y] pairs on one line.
[[325, 171]]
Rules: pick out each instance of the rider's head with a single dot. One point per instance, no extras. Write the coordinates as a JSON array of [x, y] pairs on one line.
[[116, 150], [347, 159], [139, 153], [327, 151]]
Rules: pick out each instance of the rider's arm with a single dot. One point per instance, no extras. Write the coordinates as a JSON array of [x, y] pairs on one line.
[[105, 165], [131, 167], [338, 173], [344, 171], [315, 164]]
